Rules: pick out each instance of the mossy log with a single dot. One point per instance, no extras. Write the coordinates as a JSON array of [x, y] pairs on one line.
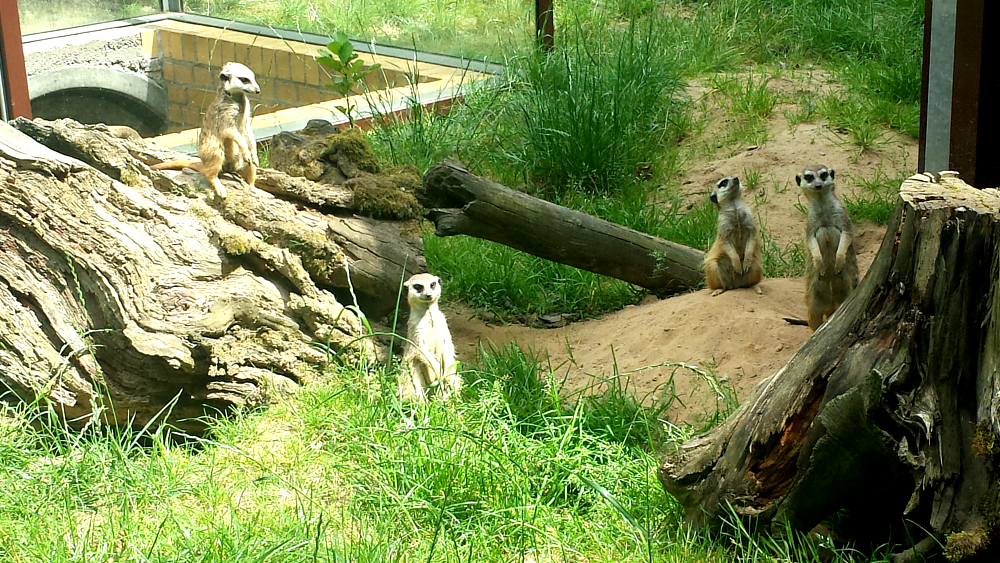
[[461, 203], [887, 417], [125, 293]]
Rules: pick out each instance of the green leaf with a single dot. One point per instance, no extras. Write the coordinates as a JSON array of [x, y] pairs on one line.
[[345, 52]]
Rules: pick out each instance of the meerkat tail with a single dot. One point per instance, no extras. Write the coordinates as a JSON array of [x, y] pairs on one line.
[[180, 164]]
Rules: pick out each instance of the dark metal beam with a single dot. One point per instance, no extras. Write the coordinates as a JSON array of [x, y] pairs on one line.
[[15, 78], [544, 24], [958, 116]]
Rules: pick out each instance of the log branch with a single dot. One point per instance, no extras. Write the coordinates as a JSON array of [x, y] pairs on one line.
[[461, 203]]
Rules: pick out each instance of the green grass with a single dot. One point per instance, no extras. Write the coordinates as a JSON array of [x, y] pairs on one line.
[[593, 111], [342, 471], [874, 198]]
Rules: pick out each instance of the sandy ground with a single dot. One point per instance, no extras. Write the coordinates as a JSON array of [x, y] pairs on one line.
[[738, 336]]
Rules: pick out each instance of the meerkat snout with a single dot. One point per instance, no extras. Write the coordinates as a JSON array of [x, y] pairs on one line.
[[236, 77], [424, 291], [808, 177], [725, 189]]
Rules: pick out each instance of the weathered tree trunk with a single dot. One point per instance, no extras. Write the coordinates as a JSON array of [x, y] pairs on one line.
[[462, 203], [122, 294], [890, 410]]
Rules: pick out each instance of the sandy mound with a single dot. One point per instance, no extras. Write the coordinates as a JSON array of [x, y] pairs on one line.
[[739, 336]]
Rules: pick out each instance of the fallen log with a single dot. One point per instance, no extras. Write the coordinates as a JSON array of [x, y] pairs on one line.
[[887, 417], [461, 203], [328, 233], [126, 297]]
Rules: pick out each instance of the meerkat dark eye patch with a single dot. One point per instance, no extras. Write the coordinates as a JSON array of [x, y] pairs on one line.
[[433, 285], [418, 287], [244, 80], [823, 175], [723, 182], [810, 177], [224, 77]]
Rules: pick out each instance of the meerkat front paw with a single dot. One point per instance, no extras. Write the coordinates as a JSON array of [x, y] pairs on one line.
[[718, 292], [841, 260]]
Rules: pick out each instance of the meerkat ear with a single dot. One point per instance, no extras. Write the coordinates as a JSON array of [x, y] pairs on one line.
[[736, 181], [831, 173], [798, 179]]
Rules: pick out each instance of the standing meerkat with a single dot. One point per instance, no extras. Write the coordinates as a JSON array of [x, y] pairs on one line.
[[831, 263], [226, 142], [429, 353], [735, 259]]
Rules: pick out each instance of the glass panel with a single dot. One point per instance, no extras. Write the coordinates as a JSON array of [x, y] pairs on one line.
[[467, 28], [50, 15]]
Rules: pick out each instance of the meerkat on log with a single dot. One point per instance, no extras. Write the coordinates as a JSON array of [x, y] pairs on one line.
[[429, 354], [831, 263], [226, 142], [735, 259]]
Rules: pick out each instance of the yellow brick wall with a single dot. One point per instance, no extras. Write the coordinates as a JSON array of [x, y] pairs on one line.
[[192, 60]]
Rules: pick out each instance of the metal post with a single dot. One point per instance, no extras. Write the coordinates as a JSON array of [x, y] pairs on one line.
[[17, 101], [958, 115], [172, 5], [544, 24]]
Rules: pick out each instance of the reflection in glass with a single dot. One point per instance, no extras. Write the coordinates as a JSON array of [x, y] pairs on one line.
[[49, 15], [468, 28]]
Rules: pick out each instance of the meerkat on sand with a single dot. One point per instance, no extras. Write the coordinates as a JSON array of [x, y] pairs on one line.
[[226, 142], [429, 354], [735, 259], [831, 263]]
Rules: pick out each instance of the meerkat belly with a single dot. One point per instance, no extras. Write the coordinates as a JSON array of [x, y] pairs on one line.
[[828, 239], [425, 335]]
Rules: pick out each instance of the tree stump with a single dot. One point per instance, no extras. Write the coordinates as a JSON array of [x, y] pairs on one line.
[[461, 203], [124, 294], [889, 412]]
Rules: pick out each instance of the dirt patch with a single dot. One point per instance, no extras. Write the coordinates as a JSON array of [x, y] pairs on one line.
[[739, 336]]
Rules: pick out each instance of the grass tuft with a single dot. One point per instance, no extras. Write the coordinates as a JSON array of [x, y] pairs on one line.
[[874, 198]]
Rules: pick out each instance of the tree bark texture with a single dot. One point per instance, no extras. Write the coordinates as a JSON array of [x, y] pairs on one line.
[[461, 203], [124, 294], [890, 409]]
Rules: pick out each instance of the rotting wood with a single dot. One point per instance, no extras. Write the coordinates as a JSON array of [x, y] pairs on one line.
[[461, 203], [890, 410]]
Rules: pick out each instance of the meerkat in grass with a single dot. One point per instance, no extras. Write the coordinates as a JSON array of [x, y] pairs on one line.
[[429, 354], [831, 262], [226, 141], [735, 259]]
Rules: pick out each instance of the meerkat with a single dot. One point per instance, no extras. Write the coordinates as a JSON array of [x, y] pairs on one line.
[[429, 353], [735, 259], [226, 142], [831, 263]]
